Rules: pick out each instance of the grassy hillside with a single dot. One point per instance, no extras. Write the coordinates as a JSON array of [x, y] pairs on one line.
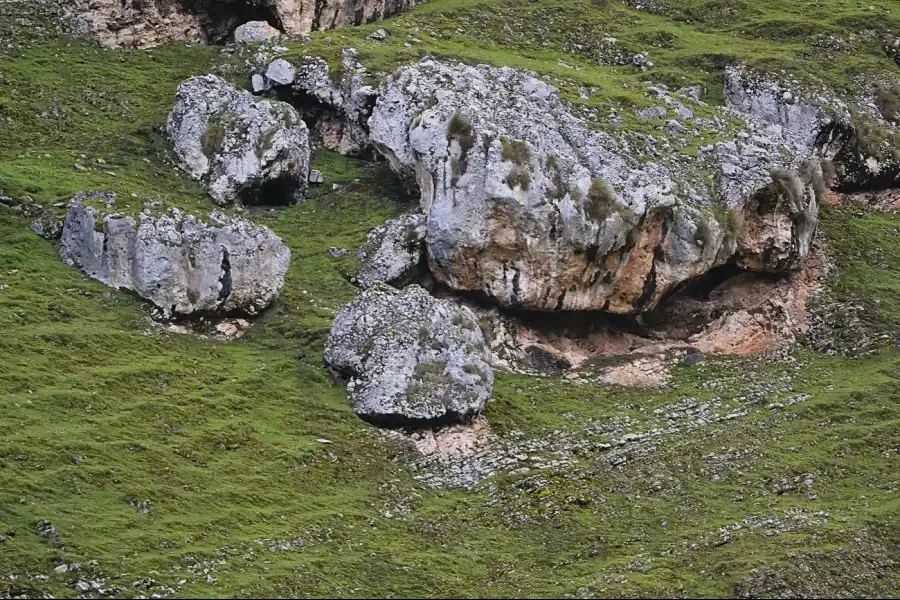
[[170, 462]]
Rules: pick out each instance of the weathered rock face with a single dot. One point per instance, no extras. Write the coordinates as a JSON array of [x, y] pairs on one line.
[[527, 205], [244, 149], [142, 23], [180, 264], [863, 147], [393, 252], [413, 359], [339, 109]]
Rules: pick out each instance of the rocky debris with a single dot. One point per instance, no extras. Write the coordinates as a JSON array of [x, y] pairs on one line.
[[316, 177], [641, 62], [609, 443], [859, 142], [255, 32], [413, 359], [135, 23], [860, 569], [379, 35], [529, 206], [393, 252], [243, 149], [48, 531], [180, 264], [644, 372], [340, 107]]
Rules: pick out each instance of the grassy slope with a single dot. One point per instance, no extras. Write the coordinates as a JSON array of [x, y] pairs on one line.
[[221, 438]]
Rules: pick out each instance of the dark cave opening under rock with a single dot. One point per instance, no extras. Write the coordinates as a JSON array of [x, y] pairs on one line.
[[221, 18], [278, 192]]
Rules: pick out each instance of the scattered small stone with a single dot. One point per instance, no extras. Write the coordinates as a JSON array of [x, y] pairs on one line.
[[379, 35]]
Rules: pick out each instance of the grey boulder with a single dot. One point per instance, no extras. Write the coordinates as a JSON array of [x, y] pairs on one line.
[[413, 360], [255, 32], [245, 150], [180, 264], [393, 252], [530, 206]]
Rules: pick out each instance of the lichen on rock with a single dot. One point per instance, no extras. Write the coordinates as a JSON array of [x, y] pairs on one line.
[[244, 149], [412, 359], [528, 205], [393, 251]]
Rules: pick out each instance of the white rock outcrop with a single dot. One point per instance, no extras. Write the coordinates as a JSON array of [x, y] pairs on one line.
[[180, 264], [528, 205]]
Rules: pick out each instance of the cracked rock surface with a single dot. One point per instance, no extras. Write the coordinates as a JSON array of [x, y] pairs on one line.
[[177, 262], [242, 148]]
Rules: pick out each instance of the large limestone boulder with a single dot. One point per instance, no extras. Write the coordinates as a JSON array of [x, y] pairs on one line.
[[412, 359], [528, 205], [180, 264], [393, 252], [255, 32], [244, 149]]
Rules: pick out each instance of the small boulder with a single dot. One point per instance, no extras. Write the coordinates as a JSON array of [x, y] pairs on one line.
[[281, 72], [413, 359], [246, 150], [316, 177], [379, 36], [255, 32], [394, 251], [180, 264]]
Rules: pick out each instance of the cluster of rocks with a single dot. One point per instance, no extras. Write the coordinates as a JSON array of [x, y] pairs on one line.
[[339, 106], [136, 23], [184, 266], [524, 204]]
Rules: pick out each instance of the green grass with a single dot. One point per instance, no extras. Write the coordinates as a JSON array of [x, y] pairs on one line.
[[221, 438]]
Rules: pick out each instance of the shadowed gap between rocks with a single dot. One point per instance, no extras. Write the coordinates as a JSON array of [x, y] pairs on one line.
[[279, 192]]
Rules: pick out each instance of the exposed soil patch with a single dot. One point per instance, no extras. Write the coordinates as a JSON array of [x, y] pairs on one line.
[[726, 312]]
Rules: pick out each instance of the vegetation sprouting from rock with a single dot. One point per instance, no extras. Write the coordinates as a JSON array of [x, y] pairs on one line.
[[601, 200]]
